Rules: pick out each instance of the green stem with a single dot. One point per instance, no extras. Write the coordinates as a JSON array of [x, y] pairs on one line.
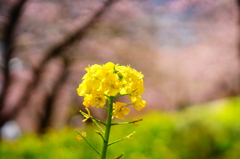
[[98, 120], [100, 134], [130, 122], [108, 128], [126, 137], [88, 143], [97, 125], [120, 95]]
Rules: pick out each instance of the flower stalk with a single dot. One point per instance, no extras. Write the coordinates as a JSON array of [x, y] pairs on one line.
[[108, 129]]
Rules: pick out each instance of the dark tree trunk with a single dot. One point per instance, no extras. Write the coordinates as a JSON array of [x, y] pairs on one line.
[[8, 42]]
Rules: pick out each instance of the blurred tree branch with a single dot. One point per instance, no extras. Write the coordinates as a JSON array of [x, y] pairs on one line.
[[44, 121]]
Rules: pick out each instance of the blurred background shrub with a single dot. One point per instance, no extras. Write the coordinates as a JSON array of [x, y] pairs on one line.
[[210, 131]]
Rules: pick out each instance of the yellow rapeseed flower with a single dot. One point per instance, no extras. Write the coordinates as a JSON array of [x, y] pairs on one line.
[[87, 116], [135, 120], [80, 137], [111, 79], [138, 102], [119, 110]]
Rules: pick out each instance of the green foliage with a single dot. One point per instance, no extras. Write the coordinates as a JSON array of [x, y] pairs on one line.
[[210, 131]]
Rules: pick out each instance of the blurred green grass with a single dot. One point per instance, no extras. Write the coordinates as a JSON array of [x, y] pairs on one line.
[[207, 131]]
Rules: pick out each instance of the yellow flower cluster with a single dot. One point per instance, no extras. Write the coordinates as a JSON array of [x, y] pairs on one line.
[[103, 81]]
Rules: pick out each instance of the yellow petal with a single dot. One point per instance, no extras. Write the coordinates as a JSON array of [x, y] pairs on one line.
[[135, 120], [84, 134], [79, 138]]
